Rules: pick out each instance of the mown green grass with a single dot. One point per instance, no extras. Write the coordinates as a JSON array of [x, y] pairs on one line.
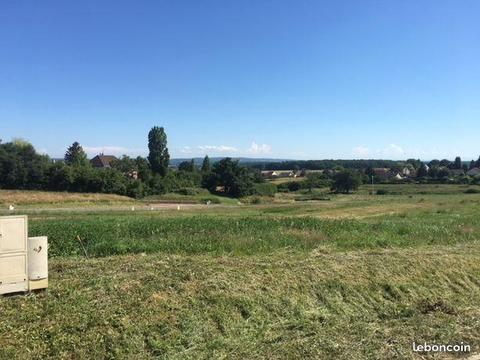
[[321, 305], [357, 277]]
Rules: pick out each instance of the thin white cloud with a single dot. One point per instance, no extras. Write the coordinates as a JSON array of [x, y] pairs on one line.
[[259, 149], [186, 150], [254, 149], [110, 150], [393, 150], [218, 148], [361, 151]]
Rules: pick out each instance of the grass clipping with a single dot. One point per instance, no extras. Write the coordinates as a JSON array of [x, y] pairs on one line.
[[355, 305]]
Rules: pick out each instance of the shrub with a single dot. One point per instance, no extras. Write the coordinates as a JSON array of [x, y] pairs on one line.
[[382, 192], [472, 191], [346, 181], [210, 200], [266, 189], [294, 186], [256, 200], [190, 191]]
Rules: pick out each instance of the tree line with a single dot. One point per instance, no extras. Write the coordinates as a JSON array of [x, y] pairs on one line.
[[21, 167], [361, 164]]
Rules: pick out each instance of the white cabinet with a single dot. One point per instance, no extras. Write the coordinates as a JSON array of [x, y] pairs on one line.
[[38, 262], [13, 254]]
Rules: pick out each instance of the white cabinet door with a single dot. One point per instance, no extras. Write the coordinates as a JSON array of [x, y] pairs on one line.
[[13, 234], [13, 268]]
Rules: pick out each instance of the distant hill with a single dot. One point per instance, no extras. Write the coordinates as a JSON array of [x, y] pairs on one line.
[[242, 160]]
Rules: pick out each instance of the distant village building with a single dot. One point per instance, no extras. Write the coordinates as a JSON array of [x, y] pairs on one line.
[[102, 161], [389, 174], [473, 171], [274, 174], [269, 174], [406, 172], [382, 173]]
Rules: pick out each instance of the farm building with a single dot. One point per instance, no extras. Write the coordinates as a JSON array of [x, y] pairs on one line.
[[406, 171], [389, 174], [474, 171], [274, 174], [102, 161], [383, 173]]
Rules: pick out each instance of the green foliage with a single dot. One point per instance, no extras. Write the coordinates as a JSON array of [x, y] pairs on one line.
[[21, 167], [75, 155], [158, 156], [322, 164], [206, 166], [125, 164], [266, 189], [316, 180], [472, 191], [457, 164], [234, 179], [422, 171], [290, 186], [188, 166], [310, 196], [189, 191], [346, 181], [445, 162]]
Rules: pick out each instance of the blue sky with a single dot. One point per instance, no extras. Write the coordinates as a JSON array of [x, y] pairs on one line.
[[283, 79]]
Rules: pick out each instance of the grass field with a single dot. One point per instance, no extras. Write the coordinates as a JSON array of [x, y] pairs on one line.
[[26, 197], [355, 277]]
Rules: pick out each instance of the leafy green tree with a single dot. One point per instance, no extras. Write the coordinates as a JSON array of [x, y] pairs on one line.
[[443, 173], [144, 170], [433, 172], [445, 162], [187, 166], [416, 163], [21, 167], [125, 165], [75, 155], [457, 164], [235, 179], [158, 156], [422, 171], [206, 166], [472, 165], [346, 181], [477, 163], [315, 180], [60, 177]]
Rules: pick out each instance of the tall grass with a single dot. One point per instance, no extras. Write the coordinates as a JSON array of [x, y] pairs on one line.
[[247, 235]]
